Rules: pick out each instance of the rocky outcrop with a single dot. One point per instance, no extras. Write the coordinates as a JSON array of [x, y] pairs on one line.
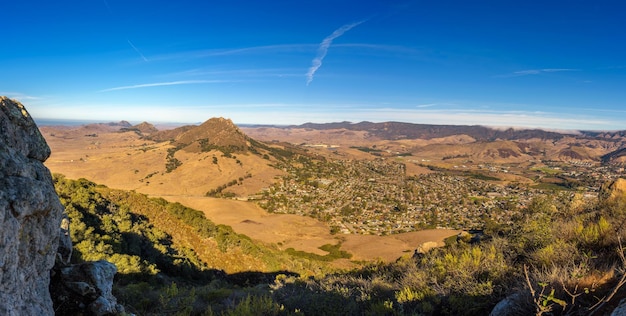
[[35, 245], [514, 304], [30, 215], [85, 289]]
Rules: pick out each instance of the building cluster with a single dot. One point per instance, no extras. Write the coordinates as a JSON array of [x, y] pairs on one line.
[[376, 197]]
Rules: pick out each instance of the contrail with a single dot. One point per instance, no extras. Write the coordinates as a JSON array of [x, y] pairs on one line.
[[137, 50], [323, 49], [159, 84]]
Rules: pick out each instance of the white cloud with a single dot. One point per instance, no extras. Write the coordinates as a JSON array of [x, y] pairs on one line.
[[537, 72], [323, 49]]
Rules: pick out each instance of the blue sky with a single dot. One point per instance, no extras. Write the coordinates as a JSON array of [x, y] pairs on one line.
[[549, 64]]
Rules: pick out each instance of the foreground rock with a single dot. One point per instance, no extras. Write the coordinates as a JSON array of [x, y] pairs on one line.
[[30, 215], [34, 233], [85, 289]]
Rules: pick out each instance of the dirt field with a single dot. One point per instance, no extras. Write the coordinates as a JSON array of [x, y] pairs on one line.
[[305, 233]]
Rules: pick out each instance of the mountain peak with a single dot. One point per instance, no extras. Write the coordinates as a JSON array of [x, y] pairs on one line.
[[215, 132], [145, 128]]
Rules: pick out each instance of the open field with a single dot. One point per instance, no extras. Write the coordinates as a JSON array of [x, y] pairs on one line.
[[305, 233]]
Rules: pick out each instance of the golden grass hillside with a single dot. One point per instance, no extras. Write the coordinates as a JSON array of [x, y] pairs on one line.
[[125, 160]]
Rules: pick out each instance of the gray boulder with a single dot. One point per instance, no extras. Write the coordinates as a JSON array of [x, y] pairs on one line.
[[86, 289], [30, 215], [514, 304]]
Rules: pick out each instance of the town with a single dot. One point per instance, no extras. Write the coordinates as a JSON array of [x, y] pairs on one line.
[[377, 197]]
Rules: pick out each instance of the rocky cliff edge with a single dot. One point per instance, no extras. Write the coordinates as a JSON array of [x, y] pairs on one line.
[[30, 215], [34, 233]]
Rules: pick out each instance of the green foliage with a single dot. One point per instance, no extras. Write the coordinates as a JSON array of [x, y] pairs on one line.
[[367, 149], [333, 253], [481, 176], [258, 305], [101, 230], [218, 192], [570, 247], [172, 162]]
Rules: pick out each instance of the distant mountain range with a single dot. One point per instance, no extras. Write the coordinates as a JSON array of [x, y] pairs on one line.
[[400, 130], [477, 142], [473, 142]]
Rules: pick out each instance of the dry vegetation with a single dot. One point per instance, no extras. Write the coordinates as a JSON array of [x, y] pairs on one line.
[[561, 255], [126, 161]]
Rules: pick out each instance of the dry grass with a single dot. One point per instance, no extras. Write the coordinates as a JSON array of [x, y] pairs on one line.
[[389, 248], [124, 161], [298, 232], [308, 234]]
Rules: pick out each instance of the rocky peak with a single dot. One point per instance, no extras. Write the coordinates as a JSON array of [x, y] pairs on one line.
[[30, 215], [145, 128], [218, 132]]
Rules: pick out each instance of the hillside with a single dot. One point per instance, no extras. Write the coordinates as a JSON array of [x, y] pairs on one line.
[[169, 259], [526, 231], [128, 218], [215, 133], [154, 163]]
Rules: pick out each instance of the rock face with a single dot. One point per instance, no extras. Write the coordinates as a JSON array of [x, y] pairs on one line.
[[515, 304], [85, 289], [30, 215], [35, 246]]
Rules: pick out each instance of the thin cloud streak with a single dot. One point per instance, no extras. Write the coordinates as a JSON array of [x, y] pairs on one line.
[[159, 84], [531, 72], [268, 49], [389, 48], [274, 49], [261, 72], [19, 96], [323, 49], [137, 50]]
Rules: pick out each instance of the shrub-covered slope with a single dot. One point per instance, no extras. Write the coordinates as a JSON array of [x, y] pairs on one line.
[[562, 256]]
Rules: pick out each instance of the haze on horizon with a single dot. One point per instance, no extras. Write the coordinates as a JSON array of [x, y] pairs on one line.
[[552, 65]]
